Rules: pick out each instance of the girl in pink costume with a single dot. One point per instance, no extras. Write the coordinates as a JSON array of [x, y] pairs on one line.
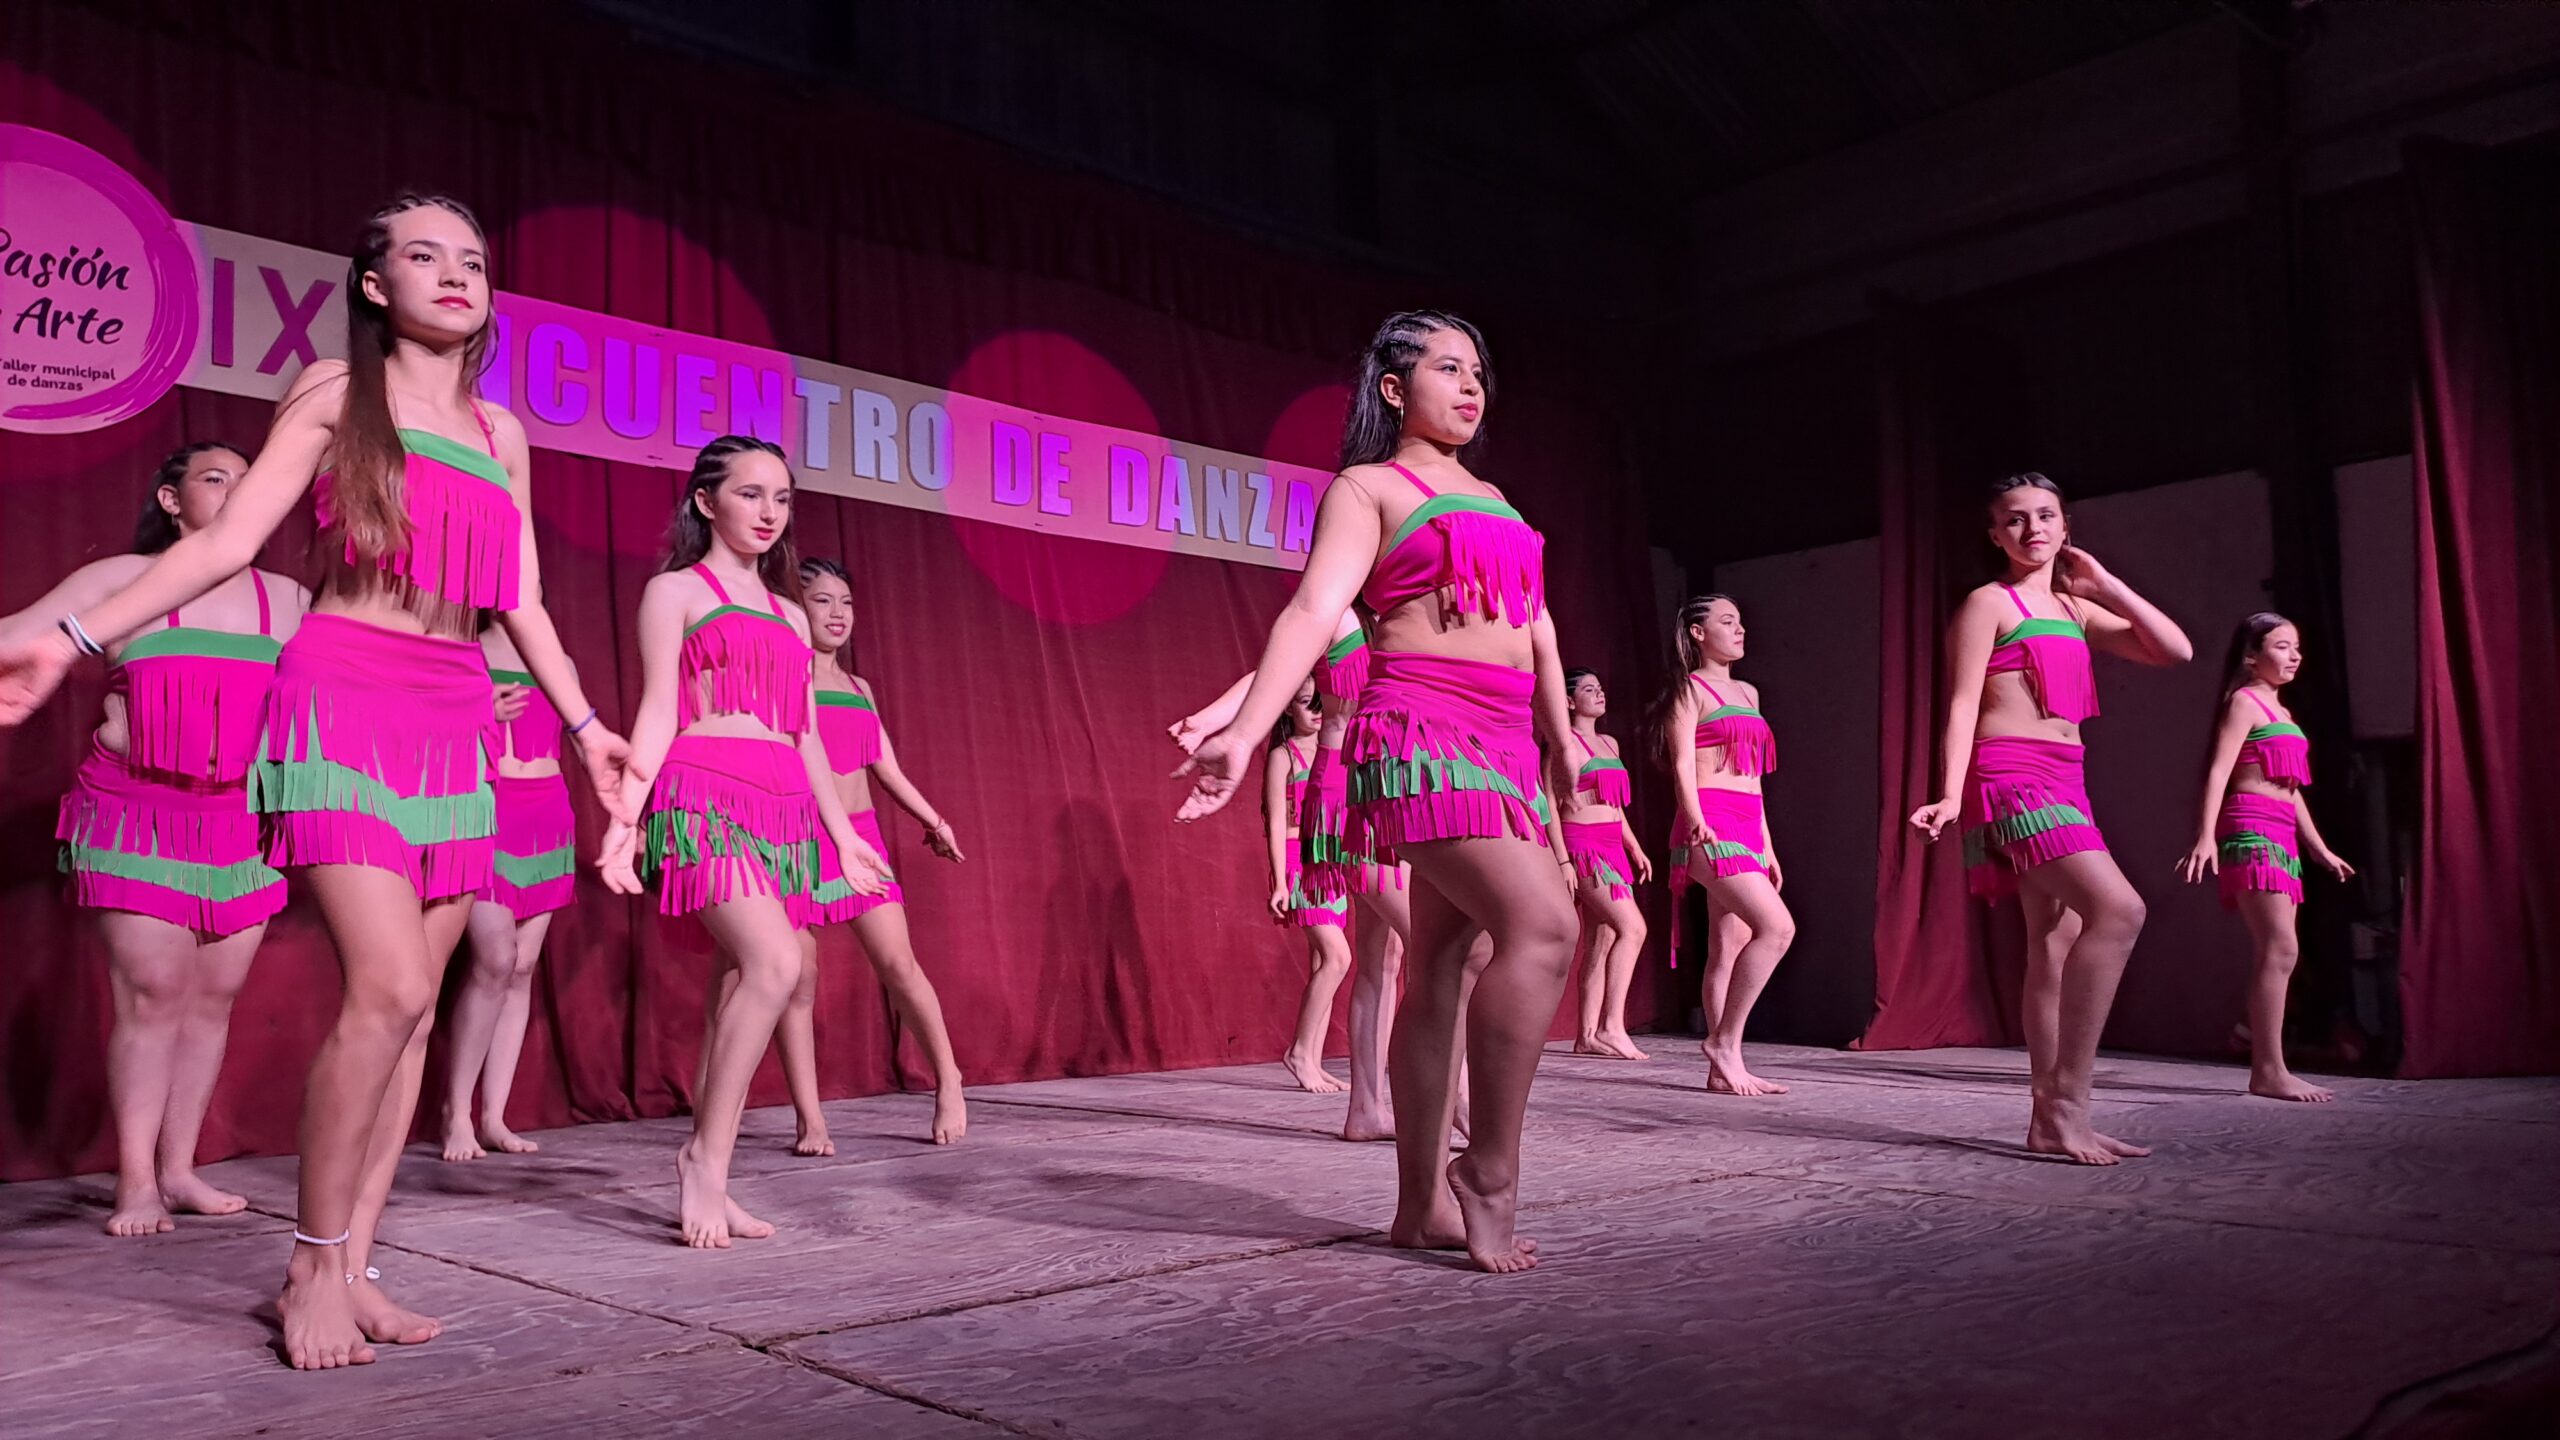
[[737, 792], [158, 840], [1721, 750], [1330, 869], [2257, 822], [373, 779], [858, 755], [1463, 711], [531, 877], [2020, 683], [1608, 863], [1286, 789]]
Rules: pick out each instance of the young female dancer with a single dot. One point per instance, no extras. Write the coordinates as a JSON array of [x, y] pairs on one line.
[[372, 779], [726, 751], [2019, 685], [1331, 869], [1463, 709], [532, 875], [158, 839], [858, 753], [1287, 769], [1720, 750], [1608, 863], [2257, 823]]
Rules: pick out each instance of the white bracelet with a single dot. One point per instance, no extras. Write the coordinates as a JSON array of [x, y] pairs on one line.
[[70, 626]]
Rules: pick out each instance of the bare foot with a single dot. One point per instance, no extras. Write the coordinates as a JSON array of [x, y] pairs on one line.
[[1371, 1122], [1487, 1215], [139, 1211], [951, 1114], [2058, 1127], [461, 1144], [2125, 1148], [495, 1134], [702, 1203], [319, 1319], [1310, 1075], [1625, 1045], [746, 1226], [1727, 1075], [814, 1140], [1445, 1228], [2285, 1085], [188, 1194], [385, 1323], [1594, 1045]]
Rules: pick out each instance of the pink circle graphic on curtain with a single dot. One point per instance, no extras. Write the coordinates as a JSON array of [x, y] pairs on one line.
[[98, 289]]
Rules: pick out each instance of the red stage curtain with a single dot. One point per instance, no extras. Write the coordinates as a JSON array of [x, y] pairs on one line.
[[2480, 971], [1026, 680]]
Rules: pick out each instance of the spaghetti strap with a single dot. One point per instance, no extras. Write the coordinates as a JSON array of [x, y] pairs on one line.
[[2014, 600], [488, 435], [1710, 689], [173, 621], [1427, 492], [259, 583], [717, 589], [2263, 706]]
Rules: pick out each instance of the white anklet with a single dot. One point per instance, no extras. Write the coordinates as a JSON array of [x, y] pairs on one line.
[[316, 1240]]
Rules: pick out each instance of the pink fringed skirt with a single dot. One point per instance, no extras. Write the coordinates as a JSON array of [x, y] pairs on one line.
[[374, 756], [1738, 844], [1441, 750], [729, 817], [1330, 869], [148, 842], [2026, 803], [2260, 845], [1599, 855], [536, 866], [836, 900]]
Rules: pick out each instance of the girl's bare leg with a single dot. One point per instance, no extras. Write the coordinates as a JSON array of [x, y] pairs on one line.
[[477, 1014], [1508, 889], [2271, 931], [1328, 960], [221, 968], [1726, 935], [797, 1037], [1386, 918], [151, 970], [1752, 904], [2076, 991], [1591, 956], [883, 933], [506, 1047], [1624, 932], [769, 954]]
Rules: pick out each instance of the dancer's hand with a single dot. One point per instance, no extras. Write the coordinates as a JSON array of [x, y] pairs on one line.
[[2331, 861], [608, 761], [2078, 573], [938, 838], [864, 870], [30, 670], [512, 701], [1934, 818], [1643, 864], [618, 862], [2205, 859], [1188, 732], [1280, 903], [1217, 769], [1777, 874]]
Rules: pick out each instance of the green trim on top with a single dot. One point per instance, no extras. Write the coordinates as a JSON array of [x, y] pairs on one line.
[[509, 677], [1723, 711], [1439, 505], [2278, 730], [2035, 625], [847, 700], [721, 610], [1601, 762], [1343, 648], [214, 644], [446, 451]]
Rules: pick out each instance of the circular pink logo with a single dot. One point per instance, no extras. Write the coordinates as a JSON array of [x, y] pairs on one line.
[[98, 293]]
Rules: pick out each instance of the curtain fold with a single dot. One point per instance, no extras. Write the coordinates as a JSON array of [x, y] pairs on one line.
[[2480, 964]]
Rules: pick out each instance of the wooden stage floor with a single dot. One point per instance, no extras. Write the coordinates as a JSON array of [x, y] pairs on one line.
[[1194, 1255]]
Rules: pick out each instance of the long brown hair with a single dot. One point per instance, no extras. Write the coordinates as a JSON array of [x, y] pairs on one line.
[[1686, 656], [365, 498], [689, 533]]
